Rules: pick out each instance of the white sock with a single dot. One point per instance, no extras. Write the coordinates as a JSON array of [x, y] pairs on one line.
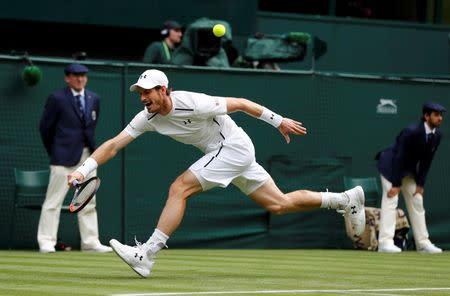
[[332, 200], [157, 241]]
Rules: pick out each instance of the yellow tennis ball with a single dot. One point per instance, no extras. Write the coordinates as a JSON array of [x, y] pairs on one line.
[[219, 30]]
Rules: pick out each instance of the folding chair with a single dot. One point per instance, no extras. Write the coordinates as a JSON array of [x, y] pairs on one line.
[[30, 190]]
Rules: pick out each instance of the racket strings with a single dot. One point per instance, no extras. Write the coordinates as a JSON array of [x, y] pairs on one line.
[[85, 192]]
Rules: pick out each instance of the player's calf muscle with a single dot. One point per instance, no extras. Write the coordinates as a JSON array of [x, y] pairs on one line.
[[281, 205], [296, 201]]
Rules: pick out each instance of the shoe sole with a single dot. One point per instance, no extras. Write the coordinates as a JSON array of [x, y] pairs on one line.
[[111, 243], [427, 252], [389, 252], [97, 250]]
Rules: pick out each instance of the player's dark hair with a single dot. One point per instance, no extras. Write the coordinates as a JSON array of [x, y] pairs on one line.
[[168, 90]]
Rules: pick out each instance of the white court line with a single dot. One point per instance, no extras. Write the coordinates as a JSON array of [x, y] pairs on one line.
[[373, 293], [283, 292]]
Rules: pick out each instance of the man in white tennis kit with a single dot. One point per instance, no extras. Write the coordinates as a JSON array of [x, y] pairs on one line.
[[202, 121]]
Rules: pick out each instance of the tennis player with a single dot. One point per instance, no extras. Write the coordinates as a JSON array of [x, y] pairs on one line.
[[202, 121]]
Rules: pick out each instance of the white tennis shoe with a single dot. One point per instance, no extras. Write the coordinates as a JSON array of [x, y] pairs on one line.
[[388, 248], [139, 258], [354, 210], [48, 248], [98, 249], [429, 248]]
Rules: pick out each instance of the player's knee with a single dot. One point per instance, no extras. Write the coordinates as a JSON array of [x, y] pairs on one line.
[[177, 189]]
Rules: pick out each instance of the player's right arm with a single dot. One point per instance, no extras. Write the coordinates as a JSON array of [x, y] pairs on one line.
[[110, 148], [105, 152]]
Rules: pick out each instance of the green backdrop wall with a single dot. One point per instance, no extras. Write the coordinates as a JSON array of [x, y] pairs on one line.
[[354, 45], [357, 45], [134, 13], [344, 133]]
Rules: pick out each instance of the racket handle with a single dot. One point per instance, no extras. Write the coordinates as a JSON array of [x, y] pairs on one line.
[[75, 183]]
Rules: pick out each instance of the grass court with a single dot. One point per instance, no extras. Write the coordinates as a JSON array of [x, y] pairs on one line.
[[228, 272]]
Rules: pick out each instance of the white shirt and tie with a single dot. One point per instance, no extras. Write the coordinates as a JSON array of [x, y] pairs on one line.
[[80, 100]]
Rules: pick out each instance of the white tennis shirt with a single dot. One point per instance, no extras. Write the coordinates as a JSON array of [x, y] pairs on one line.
[[196, 119]]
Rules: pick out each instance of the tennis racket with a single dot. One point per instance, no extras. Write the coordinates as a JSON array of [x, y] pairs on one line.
[[84, 192]]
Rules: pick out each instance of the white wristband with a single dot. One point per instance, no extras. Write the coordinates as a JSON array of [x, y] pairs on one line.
[[88, 166], [271, 117]]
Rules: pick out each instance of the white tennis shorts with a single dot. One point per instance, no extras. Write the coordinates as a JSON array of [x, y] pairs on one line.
[[234, 162]]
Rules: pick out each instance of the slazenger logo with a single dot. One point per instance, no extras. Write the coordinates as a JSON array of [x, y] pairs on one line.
[[387, 106]]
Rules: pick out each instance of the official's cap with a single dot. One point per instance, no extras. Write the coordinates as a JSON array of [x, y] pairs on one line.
[[75, 69], [172, 25], [151, 78], [432, 106]]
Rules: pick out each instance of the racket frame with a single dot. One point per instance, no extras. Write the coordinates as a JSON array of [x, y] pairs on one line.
[[79, 188]]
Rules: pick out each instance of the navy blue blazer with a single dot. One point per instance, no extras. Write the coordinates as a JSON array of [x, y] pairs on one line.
[[63, 131], [409, 155]]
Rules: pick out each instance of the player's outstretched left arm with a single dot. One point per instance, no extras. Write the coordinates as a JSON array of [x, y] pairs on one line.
[[286, 126]]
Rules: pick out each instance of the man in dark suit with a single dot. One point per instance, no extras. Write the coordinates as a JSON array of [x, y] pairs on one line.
[[404, 166], [67, 130]]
